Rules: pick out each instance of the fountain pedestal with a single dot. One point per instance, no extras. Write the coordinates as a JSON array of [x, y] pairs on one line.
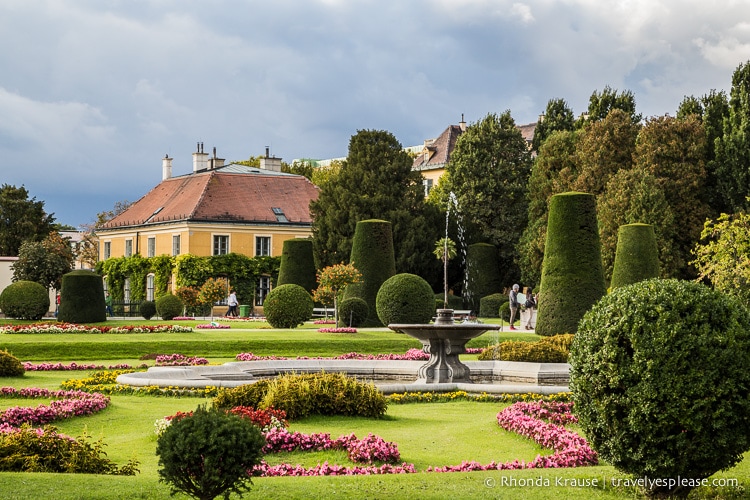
[[444, 340]]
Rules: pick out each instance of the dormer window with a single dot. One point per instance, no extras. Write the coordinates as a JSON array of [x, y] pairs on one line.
[[279, 213]]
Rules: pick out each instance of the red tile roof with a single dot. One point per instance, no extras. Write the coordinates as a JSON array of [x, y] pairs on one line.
[[440, 150], [240, 195]]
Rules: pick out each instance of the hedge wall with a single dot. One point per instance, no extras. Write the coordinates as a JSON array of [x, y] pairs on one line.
[[298, 264]]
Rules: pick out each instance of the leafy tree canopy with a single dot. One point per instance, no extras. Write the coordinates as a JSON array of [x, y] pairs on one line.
[[21, 219], [601, 103], [375, 182], [44, 262], [557, 117]]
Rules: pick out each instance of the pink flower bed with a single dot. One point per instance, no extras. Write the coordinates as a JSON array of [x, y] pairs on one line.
[[410, 355], [571, 450], [337, 330], [324, 322], [75, 328], [179, 360], [212, 326], [46, 367], [368, 450], [69, 404]]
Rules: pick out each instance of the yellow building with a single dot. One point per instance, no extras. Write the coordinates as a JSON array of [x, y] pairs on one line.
[[214, 210]]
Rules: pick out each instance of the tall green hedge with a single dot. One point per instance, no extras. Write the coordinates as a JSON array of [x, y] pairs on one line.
[[572, 275], [82, 298], [298, 264], [372, 254], [637, 257], [483, 268]]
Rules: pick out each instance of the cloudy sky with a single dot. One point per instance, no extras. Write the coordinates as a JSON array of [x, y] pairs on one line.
[[93, 93]]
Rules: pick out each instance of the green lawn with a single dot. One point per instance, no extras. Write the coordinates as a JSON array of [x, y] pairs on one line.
[[427, 433]]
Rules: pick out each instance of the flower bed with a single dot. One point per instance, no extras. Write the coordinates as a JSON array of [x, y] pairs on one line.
[[337, 330], [68, 404], [48, 367], [179, 360], [106, 383], [75, 328], [410, 355], [212, 326]]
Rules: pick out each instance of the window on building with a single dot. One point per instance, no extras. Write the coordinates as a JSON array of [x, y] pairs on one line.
[[427, 186], [176, 244], [262, 245], [264, 286], [150, 287], [221, 244], [106, 285], [151, 247], [107, 250], [279, 213], [126, 290], [128, 248]]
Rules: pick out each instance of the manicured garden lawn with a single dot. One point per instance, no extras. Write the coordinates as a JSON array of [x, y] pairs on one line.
[[427, 434]]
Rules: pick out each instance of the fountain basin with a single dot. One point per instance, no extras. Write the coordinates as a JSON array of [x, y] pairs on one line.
[[390, 376]]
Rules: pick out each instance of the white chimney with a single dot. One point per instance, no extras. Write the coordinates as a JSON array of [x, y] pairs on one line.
[[270, 163], [215, 162], [166, 168], [462, 123], [200, 159]]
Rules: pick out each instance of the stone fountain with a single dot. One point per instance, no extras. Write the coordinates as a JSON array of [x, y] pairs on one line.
[[444, 340]]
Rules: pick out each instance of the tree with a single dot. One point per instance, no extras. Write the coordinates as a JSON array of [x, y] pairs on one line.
[[674, 152], [601, 104], [88, 249], [634, 196], [445, 250], [733, 147], [711, 110], [721, 255], [21, 219], [557, 117], [334, 279], [212, 291], [209, 453], [605, 146], [489, 172], [44, 262], [375, 182]]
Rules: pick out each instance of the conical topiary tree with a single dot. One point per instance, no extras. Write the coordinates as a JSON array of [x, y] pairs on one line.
[[297, 264], [483, 274], [82, 298], [636, 257], [372, 254], [572, 275]]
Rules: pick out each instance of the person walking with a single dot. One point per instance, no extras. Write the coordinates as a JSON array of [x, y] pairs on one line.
[[108, 303], [530, 306], [513, 298], [232, 303]]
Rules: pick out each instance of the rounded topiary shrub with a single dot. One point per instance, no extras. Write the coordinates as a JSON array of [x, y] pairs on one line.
[[82, 298], [148, 309], [636, 257], [572, 275], [288, 306], [209, 453], [353, 311], [10, 366], [405, 298], [24, 300], [489, 306], [529, 352], [297, 265], [373, 256], [483, 273], [660, 380], [169, 307]]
